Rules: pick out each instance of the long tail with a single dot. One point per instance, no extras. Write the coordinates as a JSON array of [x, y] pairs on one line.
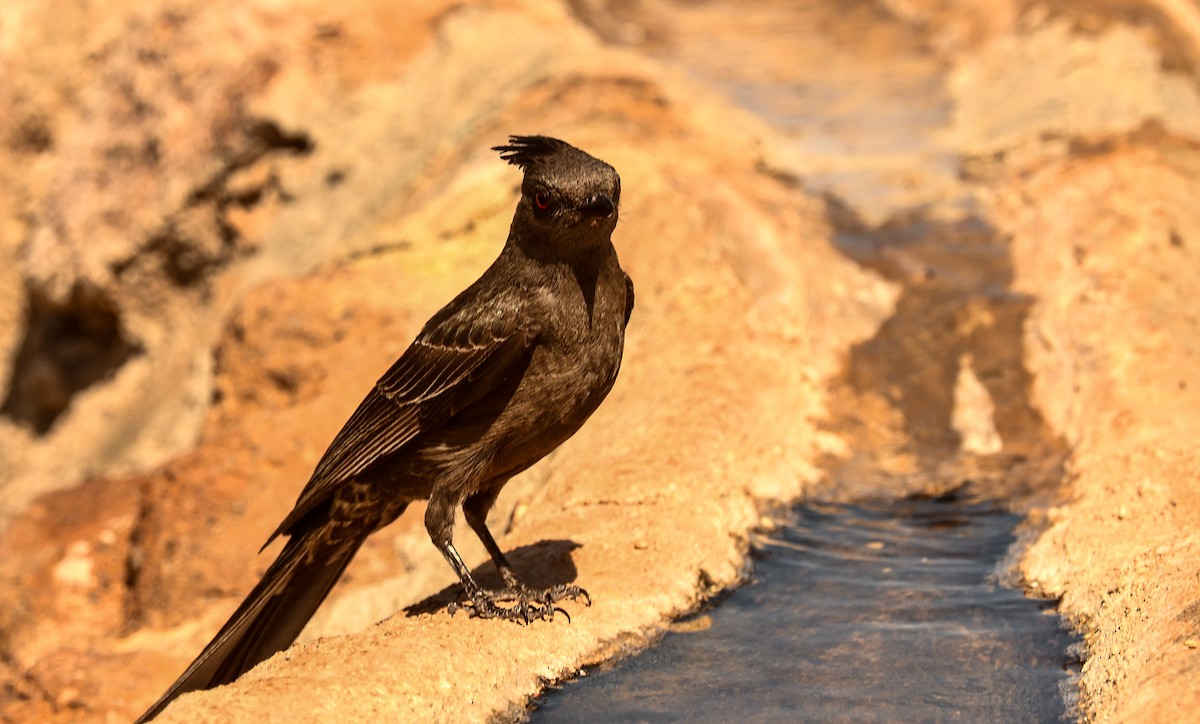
[[270, 618]]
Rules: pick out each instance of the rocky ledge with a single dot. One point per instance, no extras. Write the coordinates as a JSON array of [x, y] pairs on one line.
[[221, 221]]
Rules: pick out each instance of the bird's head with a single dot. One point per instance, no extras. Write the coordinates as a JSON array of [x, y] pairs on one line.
[[569, 200]]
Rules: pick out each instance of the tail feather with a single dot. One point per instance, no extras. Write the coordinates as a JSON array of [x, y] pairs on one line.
[[270, 618]]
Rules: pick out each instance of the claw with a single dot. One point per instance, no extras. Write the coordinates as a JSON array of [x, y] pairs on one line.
[[574, 593], [528, 605]]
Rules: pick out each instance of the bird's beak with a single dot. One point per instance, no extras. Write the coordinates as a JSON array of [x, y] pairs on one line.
[[598, 206]]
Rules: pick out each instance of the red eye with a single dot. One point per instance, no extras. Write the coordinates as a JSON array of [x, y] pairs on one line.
[[541, 200]]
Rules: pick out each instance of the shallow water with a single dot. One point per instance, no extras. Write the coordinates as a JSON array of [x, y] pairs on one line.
[[882, 611]]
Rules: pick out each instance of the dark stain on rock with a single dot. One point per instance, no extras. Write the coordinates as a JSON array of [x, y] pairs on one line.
[[956, 307], [68, 347]]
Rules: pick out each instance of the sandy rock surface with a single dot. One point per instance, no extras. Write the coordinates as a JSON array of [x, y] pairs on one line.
[[903, 244], [1118, 343]]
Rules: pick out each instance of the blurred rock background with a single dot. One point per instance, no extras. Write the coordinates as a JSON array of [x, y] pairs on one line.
[[219, 222]]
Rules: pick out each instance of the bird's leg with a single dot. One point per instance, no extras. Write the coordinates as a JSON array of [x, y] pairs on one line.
[[475, 509], [439, 521]]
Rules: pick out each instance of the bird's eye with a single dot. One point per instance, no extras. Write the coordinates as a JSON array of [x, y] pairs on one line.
[[541, 200]]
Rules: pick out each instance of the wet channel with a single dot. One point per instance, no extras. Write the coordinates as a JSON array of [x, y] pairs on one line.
[[877, 611], [883, 601]]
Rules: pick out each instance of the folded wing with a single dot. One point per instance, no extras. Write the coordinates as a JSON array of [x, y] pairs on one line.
[[435, 378]]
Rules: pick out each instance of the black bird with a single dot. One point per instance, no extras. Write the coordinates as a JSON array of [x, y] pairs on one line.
[[498, 378]]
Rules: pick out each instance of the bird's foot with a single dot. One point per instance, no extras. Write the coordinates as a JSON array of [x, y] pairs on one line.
[[528, 605], [517, 591]]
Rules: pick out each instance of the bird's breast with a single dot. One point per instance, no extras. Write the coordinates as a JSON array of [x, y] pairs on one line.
[[574, 365]]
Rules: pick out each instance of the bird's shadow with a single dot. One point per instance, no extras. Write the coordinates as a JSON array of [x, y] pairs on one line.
[[544, 564]]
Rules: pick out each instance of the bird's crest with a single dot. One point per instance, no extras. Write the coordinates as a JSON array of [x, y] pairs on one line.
[[530, 151]]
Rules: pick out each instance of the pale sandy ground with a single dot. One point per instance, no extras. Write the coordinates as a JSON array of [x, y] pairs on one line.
[[274, 197]]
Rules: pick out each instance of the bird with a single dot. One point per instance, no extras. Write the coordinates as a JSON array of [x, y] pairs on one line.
[[498, 378]]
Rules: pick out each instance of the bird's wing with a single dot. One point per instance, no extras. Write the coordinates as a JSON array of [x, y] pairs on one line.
[[434, 379], [628, 298]]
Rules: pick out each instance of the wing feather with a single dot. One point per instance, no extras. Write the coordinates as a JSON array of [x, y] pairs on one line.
[[432, 381]]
